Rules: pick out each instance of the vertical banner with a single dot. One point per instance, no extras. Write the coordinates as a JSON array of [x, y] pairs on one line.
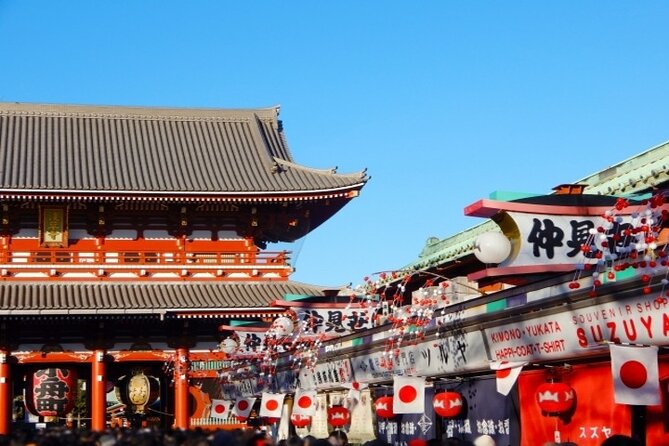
[[362, 423], [594, 417], [485, 412], [398, 431]]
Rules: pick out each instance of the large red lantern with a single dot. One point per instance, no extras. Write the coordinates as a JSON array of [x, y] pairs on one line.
[[447, 404], [52, 393], [384, 407], [300, 420], [555, 398], [338, 416]]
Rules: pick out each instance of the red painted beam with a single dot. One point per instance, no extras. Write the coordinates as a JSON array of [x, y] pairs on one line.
[[488, 208]]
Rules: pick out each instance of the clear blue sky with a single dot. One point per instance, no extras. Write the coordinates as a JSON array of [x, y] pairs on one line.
[[442, 101]]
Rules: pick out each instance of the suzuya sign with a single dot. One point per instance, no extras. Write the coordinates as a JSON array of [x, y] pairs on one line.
[[642, 319]]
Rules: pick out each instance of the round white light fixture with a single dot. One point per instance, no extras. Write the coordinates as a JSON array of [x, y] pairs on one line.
[[492, 247], [228, 346], [283, 326]]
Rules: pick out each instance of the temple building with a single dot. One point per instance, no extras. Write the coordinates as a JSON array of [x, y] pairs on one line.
[[128, 237]]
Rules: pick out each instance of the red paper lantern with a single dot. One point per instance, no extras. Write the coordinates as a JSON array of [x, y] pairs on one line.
[[338, 416], [384, 407], [53, 392], [300, 420], [555, 397], [447, 404]]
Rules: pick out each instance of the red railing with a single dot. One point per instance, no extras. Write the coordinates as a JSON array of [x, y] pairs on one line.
[[147, 258]]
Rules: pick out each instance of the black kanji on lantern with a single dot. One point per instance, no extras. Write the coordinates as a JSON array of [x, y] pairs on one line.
[[549, 237], [52, 393]]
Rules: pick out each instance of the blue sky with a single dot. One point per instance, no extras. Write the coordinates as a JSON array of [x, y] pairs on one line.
[[442, 101]]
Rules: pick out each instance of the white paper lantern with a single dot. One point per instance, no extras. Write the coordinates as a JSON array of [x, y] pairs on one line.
[[228, 346], [283, 326], [492, 247]]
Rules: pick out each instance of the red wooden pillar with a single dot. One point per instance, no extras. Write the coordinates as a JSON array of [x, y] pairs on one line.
[[181, 418], [5, 394], [98, 392]]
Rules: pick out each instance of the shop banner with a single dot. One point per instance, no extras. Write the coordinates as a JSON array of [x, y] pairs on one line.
[[449, 354], [326, 375], [639, 320], [240, 388], [557, 239], [398, 431], [254, 343], [594, 418], [485, 412], [333, 321]]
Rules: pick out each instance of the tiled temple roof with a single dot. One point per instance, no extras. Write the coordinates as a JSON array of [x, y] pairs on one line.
[[135, 150], [29, 298]]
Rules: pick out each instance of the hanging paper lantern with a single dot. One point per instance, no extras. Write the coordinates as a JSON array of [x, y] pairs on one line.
[[447, 404], [228, 346], [300, 420], [53, 392], [338, 416], [283, 326], [555, 398], [138, 391], [384, 407], [271, 420]]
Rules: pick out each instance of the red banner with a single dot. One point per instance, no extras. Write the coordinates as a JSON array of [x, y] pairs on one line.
[[593, 418], [657, 417]]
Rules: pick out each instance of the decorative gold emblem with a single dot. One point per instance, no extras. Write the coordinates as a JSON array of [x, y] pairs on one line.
[[53, 226]]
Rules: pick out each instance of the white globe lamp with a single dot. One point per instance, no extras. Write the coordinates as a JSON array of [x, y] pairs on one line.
[[228, 346], [283, 326], [492, 247]]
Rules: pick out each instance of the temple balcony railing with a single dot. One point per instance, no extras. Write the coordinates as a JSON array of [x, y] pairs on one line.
[[157, 264]]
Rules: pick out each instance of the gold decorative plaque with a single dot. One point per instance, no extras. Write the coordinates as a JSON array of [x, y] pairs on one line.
[[53, 226]]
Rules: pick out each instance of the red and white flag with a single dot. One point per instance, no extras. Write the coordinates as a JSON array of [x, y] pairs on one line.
[[243, 407], [409, 394], [220, 408], [506, 374], [635, 375], [305, 402], [271, 405]]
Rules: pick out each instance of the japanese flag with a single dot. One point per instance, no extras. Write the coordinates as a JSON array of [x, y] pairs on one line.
[[635, 375], [506, 373], [271, 405], [409, 394], [220, 408], [305, 402], [243, 407]]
